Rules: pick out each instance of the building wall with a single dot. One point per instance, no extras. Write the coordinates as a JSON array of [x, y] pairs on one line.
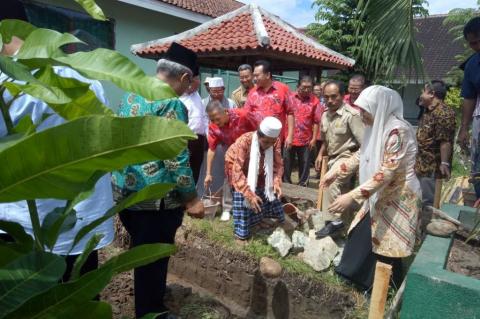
[[409, 94], [133, 25]]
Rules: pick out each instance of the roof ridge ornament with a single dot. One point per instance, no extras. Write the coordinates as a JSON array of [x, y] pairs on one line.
[[303, 37], [259, 26]]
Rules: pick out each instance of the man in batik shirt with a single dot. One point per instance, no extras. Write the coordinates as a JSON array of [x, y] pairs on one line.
[[157, 221], [435, 136], [254, 168], [304, 105]]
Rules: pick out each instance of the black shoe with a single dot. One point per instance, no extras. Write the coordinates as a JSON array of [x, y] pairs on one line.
[[330, 229]]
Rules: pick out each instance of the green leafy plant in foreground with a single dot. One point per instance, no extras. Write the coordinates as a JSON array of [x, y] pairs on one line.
[[91, 143]]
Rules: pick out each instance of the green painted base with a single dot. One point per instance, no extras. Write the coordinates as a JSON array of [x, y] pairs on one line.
[[432, 291]]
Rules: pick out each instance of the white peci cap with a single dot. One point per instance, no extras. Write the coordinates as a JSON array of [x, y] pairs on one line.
[[216, 82], [271, 126]]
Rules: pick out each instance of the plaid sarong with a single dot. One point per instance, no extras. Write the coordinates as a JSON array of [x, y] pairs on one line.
[[244, 218]]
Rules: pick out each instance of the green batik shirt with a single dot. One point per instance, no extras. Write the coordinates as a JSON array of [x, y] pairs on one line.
[[177, 170]]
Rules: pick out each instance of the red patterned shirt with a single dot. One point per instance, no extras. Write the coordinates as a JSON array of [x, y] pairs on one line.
[[318, 116], [304, 112], [239, 123], [347, 99], [273, 102]]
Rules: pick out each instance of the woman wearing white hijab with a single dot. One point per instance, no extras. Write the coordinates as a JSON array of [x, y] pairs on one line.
[[385, 227]]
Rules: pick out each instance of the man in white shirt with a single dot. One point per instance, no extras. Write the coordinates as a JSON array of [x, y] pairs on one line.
[[88, 210], [216, 90], [198, 123]]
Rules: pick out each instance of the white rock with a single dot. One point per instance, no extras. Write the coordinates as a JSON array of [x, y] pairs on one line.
[[280, 241], [311, 234], [318, 219], [441, 228], [338, 257], [319, 253], [298, 239]]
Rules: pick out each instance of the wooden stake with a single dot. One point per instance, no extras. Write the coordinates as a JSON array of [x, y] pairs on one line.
[[380, 290], [438, 193], [323, 171]]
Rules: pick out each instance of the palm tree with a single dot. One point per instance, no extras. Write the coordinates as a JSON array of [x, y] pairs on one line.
[[388, 46]]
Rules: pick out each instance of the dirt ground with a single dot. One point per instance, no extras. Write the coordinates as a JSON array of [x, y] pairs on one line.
[[465, 258], [229, 275]]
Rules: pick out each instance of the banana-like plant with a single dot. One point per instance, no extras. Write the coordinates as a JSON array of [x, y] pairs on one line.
[[91, 143]]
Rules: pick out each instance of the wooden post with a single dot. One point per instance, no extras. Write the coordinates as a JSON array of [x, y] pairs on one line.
[[438, 193], [320, 189], [380, 290]]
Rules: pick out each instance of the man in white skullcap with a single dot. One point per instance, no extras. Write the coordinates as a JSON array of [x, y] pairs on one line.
[[206, 83], [254, 168], [216, 90], [217, 93]]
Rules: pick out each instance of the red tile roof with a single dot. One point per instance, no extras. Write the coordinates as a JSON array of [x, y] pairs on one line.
[[211, 8], [246, 29]]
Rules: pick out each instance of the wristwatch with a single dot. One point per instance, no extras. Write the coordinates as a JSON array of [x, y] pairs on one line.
[[446, 164]]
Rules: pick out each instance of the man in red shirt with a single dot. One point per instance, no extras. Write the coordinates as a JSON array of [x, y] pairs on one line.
[[355, 86], [270, 98], [304, 105], [226, 125]]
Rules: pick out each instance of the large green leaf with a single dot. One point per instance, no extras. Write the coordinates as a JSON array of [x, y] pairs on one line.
[[15, 69], [63, 219], [47, 94], [80, 261], [154, 191], [28, 276], [140, 256], [18, 28], [17, 232], [63, 300], [11, 251], [10, 140], [103, 64], [58, 162], [95, 309], [45, 43], [83, 100], [56, 222], [93, 9], [24, 126]]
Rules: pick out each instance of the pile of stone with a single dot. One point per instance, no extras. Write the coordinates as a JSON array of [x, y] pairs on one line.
[[297, 237]]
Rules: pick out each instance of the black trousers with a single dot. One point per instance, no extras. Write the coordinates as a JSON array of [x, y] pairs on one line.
[[149, 227], [90, 264], [358, 260], [197, 148], [302, 153]]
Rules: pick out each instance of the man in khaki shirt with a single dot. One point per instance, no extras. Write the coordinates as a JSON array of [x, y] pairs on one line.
[[341, 134], [239, 96]]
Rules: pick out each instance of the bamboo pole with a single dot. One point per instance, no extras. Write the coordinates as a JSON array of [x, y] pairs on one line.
[[380, 290], [323, 171], [438, 193]]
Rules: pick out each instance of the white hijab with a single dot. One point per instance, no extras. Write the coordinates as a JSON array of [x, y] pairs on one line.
[[386, 107]]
